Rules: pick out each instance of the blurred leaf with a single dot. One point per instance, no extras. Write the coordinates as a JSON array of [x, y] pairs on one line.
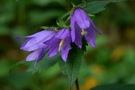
[[19, 31], [45, 63], [4, 30], [115, 87], [5, 66], [20, 79], [40, 17], [7, 10], [5, 18], [129, 56], [52, 71], [102, 56], [71, 68], [123, 70], [45, 2], [98, 6]]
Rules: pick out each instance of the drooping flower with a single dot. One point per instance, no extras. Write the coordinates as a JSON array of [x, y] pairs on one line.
[[35, 44], [60, 43], [82, 25]]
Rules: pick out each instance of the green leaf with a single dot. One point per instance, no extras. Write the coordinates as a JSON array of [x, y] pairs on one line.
[[71, 68], [45, 63], [48, 62], [98, 6], [115, 87]]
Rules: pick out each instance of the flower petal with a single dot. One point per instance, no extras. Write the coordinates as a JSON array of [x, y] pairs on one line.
[[19, 37], [90, 37], [33, 56], [40, 56], [72, 21], [42, 34], [65, 49], [81, 18], [94, 28], [78, 38], [54, 47], [62, 33], [36, 55], [36, 41], [27, 45]]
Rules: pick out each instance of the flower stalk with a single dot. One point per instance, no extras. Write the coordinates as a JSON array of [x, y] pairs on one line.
[[77, 84]]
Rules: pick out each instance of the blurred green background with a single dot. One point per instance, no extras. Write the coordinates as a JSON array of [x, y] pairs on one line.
[[112, 61]]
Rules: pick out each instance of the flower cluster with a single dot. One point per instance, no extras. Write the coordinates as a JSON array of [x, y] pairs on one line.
[[51, 42]]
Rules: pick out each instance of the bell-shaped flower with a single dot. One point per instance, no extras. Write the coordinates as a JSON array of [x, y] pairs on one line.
[[60, 43], [82, 25], [35, 43]]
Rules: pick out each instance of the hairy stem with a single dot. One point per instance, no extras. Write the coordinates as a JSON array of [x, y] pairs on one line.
[[77, 84]]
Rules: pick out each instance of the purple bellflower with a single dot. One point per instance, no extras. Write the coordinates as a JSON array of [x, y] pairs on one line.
[[82, 25], [53, 43], [35, 44], [60, 43], [47, 41]]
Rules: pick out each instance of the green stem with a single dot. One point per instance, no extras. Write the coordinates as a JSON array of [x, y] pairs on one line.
[[68, 4], [77, 84]]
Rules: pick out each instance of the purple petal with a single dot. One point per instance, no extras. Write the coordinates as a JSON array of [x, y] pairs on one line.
[[24, 44], [48, 42], [36, 41], [65, 49], [43, 34], [94, 28], [36, 55], [19, 37], [54, 47], [72, 21], [33, 56], [78, 38], [81, 18], [40, 56], [90, 37], [62, 33], [30, 45]]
